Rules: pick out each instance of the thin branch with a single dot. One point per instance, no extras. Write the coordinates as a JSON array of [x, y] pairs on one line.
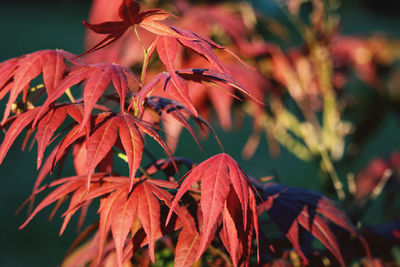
[[337, 184]]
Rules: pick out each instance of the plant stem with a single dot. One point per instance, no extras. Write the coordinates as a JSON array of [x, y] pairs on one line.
[[140, 40], [125, 158], [33, 89], [145, 54], [283, 137], [70, 96], [217, 252], [379, 187], [337, 184], [376, 192], [297, 22], [351, 184]]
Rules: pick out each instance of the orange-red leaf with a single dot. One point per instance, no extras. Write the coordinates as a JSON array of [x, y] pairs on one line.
[[64, 146], [106, 206], [29, 67], [149, 214], [54, 68], [202, 47], [114, 29], [95, 86], [214, 191], [152, 133], [168, 108], [99, 80], [97, 77], [129, 13], [74, 77], [167, 49], [58, 193], [122, 215], [217, 174], [132, 142], [15, 129], [205, 75], [7, 69], [187, 247], [26, 68], [46, 128], [229, 236], [99, 144], [76, 199], [159, 28], [179, 91]]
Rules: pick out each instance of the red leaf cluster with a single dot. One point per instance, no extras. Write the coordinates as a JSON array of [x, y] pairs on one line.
[[225, 190], [130, 15], [295, 209]]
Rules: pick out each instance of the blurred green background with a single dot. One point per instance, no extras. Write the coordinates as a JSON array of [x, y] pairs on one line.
[[28, 26]]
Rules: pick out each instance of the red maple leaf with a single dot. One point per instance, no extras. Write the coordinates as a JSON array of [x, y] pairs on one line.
[[129, 12], [180, 93], [225, 190], [16, 74], [293, 209], [122, 211], [97, 77]]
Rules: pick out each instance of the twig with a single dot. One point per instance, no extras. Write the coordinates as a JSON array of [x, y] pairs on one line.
[[337, 184]]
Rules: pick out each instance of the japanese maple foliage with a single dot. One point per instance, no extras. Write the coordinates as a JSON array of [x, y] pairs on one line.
[[100, 107]]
